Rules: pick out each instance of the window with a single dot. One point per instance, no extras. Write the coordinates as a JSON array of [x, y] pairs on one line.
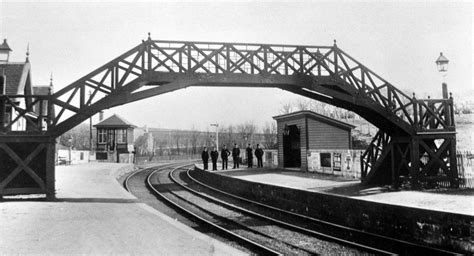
[[122, 136], [102, 136], [119, 133]]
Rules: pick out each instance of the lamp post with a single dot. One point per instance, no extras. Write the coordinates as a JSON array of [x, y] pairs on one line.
[[4, 52], [217, 135], [442, 63]]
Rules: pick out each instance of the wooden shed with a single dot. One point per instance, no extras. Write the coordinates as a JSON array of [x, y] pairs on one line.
[[302, 131]]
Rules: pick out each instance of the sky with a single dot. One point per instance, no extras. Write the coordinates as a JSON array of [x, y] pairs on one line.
[[399, 40]]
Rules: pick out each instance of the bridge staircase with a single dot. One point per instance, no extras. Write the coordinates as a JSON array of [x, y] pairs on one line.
[[427, 156], [416, 140]]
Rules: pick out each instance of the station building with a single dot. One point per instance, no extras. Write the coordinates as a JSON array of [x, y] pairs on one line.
[[115, 140], [312, 142], [18, 83]]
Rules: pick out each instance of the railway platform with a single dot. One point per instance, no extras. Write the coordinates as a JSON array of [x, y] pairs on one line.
[[440, 219], [93, 214], [461, 202]]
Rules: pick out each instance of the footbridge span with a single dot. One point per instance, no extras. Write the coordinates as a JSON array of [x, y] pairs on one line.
[[416, 138]]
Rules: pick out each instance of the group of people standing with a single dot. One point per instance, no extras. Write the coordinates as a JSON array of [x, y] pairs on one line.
[[225, 153]]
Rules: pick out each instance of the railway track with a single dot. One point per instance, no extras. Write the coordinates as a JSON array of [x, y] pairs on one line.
[[275, 237], [262, 229]]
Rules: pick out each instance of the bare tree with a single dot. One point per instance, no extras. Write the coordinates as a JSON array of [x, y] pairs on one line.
[[251, 128], [316, 106], [270, 135], [227, 135], [286, 108], [245, 132], [80, 137], [177, 137], [161, 145], [140, 145], [209, 138], [224, 136], [194, 139], [303, 104]]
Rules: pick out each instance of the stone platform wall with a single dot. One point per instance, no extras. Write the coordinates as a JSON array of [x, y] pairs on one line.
[[432, 228]]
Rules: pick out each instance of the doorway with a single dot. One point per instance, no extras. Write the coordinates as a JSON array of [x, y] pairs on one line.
[[291, 147]]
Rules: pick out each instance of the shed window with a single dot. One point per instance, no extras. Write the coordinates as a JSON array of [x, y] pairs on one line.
[[121, 136], [102, 136]]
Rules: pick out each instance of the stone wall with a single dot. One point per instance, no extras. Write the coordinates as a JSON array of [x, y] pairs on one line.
[[73, 156], [344, 163], [432, 228]]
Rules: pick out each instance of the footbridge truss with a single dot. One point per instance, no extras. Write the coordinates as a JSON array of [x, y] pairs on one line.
[[416, 138]]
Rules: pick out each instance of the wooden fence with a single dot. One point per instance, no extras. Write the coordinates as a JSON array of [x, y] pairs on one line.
[[465, 169]]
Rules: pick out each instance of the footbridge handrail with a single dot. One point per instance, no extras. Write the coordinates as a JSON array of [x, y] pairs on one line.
[[140, 68]]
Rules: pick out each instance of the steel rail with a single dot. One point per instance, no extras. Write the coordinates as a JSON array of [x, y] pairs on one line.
[[349, 229], [242, 240], [279, 222], [130, 175]]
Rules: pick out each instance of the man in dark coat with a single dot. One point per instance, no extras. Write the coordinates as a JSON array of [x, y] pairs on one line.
[[225, 155], [259, 155], [235, 155], [214, 156], [205, 157], [249, 156]]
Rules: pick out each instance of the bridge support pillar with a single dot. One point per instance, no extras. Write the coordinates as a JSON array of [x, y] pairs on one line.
[[453, 174], [27, 165], [415, 161], [425, 160]]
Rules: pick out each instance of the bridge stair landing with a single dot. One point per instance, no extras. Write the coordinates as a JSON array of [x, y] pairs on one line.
[[421, 160]]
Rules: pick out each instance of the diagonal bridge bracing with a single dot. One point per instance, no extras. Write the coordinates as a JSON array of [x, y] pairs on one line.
[[416, 137]]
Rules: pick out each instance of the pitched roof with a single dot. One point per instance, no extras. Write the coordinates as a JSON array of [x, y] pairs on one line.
[[315, 116], [17, 77], [4, 46], [441, 58], [115, 121]]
